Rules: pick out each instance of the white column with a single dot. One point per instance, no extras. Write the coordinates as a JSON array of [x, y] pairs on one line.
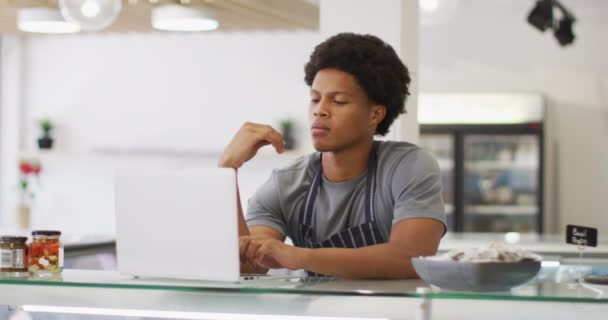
[[394, 21], [10, 122]]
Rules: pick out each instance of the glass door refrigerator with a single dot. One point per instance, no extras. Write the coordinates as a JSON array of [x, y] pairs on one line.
[[491, 162]]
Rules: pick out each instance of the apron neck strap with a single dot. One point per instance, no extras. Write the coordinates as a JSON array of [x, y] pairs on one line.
[[313, 190]]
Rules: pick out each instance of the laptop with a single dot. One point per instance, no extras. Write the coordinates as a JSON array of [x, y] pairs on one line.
[[179, 224]]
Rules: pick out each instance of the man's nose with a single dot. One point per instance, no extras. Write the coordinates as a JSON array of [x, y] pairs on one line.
[[321, 109]]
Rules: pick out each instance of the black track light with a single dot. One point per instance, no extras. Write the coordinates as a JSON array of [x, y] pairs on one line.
[[541, 16], [563, 32]]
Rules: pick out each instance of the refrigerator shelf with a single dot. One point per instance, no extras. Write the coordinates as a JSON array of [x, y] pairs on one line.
[[498, 165], [502, 210]]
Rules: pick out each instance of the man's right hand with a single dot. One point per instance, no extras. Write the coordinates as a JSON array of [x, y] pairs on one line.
[[246, 143], [247, 255], [249, 245]]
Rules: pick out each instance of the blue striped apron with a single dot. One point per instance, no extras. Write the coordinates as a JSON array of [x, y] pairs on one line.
[[366, 234]]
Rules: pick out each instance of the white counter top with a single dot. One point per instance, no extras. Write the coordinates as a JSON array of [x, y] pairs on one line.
[[545, 244], [109, 293], [69, 240]]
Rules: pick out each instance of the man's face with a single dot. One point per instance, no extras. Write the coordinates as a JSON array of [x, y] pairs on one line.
[[341, 115]]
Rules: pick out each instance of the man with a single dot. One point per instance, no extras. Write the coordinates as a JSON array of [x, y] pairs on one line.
[[357, 208]]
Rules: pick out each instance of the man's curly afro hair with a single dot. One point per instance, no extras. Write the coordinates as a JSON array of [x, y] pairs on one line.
[[373, 63]]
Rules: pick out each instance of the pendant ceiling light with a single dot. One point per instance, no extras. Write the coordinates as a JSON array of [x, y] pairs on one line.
[[44, 20], [91, 15], [172, 17]]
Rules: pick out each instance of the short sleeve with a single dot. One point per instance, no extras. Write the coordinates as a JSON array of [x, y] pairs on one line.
[[416, 188], [264, 208]]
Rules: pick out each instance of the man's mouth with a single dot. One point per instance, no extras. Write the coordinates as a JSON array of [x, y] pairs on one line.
[[319, 129]]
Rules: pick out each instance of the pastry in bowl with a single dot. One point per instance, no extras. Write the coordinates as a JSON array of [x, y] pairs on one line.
[[495, 267]]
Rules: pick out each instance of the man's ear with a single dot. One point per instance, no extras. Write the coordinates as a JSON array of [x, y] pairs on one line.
[[378, 113]]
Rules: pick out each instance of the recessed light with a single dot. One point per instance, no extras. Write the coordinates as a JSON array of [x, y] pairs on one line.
[[429, 5], [182, 18], [44, 20]]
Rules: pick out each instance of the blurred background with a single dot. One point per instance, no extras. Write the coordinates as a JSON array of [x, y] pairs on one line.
[[517, 118]]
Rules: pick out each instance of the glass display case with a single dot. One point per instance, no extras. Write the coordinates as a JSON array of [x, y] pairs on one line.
[[490, 148], [491, 175], [106, 293]]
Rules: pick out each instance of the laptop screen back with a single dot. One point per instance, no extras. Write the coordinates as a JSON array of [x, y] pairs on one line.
[[177, 224]]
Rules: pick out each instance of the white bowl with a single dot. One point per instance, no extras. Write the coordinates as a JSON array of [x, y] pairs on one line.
[[475, 276]]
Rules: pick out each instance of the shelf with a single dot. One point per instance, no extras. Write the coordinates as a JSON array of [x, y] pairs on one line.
[[484, 165], [445, 164], [553, 244], [449, 208], [149, 153], [514, 210], [69, 240]]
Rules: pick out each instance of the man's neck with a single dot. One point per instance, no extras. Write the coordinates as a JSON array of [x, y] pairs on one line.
[[346, 164]]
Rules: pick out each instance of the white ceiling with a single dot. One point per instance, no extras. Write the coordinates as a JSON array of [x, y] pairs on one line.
[[496, 33], [234, 15]]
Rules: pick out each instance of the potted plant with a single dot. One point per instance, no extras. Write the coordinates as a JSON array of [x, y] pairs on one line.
[[287, 132], [45, 141]]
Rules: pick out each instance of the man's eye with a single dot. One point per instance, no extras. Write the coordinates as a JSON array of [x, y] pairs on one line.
[[340, 102], [313, 100]]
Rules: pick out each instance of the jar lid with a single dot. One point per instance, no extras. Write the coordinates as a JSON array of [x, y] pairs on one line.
[[46, 233], [11, 239]]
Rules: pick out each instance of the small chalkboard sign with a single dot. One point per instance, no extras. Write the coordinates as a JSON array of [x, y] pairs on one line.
[[582, 236]]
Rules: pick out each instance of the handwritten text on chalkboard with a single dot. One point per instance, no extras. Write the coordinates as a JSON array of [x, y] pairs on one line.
[[583, 236]]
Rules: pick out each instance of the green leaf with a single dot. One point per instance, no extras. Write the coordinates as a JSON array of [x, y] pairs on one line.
[[45, 124]]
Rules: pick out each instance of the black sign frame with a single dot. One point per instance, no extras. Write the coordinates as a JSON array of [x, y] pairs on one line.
[[582, 236]]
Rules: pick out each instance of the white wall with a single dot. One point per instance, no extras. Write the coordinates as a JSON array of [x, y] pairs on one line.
[[488, 46], [179, 98], [10, 124], [178, 92], [84, 82], [395, 22]]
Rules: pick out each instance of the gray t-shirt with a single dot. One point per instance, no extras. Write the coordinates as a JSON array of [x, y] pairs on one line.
[[408, 186]]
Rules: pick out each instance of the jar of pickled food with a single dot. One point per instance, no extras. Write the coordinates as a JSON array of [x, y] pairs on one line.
[[45, 256], [13, 254]]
